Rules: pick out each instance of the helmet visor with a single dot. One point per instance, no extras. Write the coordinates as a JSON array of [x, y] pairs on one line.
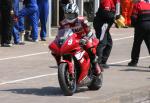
[[70, 16]]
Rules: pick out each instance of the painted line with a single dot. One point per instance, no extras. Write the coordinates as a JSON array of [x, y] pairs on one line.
[[40, 53], [29, 78], [47, 52], [35, 77], [22, 56], [45, 75], [123, 38], [129, 60]]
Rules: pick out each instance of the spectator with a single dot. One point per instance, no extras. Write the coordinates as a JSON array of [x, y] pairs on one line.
[[126, 6], [108, 10], [17, 28], [140, 20], [31, 10], [43, 6], [6, 16], [27, 28], [21, 22]]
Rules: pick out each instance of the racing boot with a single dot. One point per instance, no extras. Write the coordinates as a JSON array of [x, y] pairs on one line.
[[94, 61], [96, 67], [85, 81]]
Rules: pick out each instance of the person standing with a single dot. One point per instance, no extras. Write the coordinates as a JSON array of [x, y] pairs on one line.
[[140, 20], [126, 6], [17, 28], [43, 6], [7, 22], [31, 10], [21, 22], [108, 11]]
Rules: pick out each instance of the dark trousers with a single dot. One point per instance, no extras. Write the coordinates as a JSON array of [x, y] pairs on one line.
[[142, 32], [105, 44], [32, 13], [43, 6], [6, 26]]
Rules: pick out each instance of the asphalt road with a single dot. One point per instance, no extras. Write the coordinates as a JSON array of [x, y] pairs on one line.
[[28, 74]]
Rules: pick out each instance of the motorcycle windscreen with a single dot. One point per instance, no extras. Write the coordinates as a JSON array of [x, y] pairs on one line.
[[63, 35], [67, 41]]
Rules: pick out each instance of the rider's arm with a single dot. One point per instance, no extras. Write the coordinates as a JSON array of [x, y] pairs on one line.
[[87, 28], [86, 25]]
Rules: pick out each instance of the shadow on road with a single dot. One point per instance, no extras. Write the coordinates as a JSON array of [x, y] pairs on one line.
[[128, 66], [137, 68], [45, 91], [55, 67]]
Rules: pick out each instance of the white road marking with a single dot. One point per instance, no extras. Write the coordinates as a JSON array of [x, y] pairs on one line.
[[25, 79], [22, 56], [129, 60], [45, 75], [123, 38], [34, 54]]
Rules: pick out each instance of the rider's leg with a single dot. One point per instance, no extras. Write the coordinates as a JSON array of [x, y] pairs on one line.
[[91, 50]]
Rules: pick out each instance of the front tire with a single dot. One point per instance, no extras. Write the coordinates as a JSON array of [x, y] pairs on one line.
[[66, 81]]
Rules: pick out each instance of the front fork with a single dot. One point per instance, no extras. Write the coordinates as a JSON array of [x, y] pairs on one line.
[[65, 59], [70, 67]]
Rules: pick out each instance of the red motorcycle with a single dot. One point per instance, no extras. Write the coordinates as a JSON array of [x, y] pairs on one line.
[[74, 59]]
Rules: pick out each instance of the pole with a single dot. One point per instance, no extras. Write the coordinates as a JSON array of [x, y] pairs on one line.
[[55, 12], [49, 19], [81, 7]]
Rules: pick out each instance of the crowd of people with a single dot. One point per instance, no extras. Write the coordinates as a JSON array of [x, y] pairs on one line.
[[140, 20], [13, 13], [136, 14]]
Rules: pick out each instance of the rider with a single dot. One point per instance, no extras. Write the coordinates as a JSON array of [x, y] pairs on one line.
[[79, 25]]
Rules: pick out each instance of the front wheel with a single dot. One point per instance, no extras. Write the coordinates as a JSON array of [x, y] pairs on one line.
[[67, 82], [96, 82]]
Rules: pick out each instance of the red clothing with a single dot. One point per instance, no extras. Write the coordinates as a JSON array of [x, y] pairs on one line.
[[79, 26], [141, 8], [109, 5], [127, 6], [141, 12]]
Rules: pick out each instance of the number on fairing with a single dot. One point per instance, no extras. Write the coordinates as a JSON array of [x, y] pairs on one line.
[[79, 55], [70, 42]]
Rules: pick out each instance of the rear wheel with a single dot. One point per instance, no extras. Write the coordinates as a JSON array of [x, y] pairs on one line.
[[67, 82], [96, 82]]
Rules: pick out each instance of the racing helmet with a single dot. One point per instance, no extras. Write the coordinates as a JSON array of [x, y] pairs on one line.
[[71, 11]]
